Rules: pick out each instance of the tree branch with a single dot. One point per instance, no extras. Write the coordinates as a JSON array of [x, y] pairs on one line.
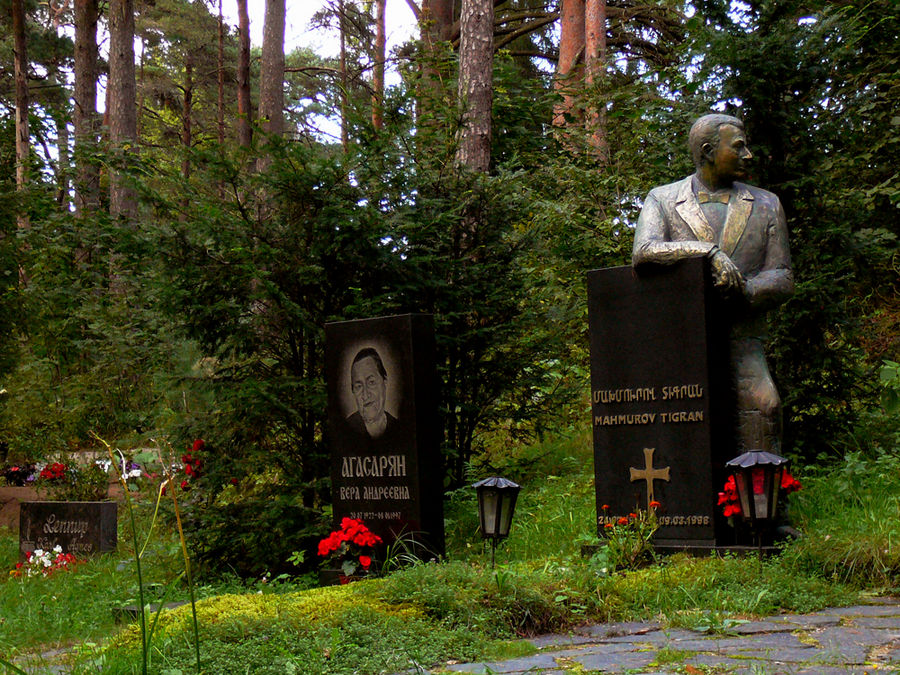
[[415, 9]]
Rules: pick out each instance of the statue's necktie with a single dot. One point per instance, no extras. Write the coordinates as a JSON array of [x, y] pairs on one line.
[[705, 197], [715, 207]]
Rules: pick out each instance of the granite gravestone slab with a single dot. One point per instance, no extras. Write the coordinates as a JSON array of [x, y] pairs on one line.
[[382, 426], [80, 528], [660, 399]]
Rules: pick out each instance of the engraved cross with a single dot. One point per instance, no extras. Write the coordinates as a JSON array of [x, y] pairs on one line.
[[649, 474]]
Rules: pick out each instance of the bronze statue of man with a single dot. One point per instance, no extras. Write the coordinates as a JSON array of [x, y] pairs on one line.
[[742, 230]]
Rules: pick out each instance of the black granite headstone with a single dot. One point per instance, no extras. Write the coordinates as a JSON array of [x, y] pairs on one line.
[[386, 468], [80, 528], [660, 399]]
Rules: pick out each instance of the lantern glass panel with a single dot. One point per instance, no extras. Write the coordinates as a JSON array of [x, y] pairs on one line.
[[489, 505], [740, 478], [760, 493], [506, 509], [776, 486]]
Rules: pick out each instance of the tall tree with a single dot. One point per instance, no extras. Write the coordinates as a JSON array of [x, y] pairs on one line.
[[378, 66], [84, 115], [345, 79], [21, 74], [187, 107], [571, 50], [220, 79], [122, 101], [271, 77], [245, 115], [476, 58], [594, 63], [59, 108]]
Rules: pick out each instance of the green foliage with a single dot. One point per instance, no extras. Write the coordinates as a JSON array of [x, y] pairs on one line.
[[79, 483], [848, 515], [461, 609], [817, 99], [9, 297], [627, 544]]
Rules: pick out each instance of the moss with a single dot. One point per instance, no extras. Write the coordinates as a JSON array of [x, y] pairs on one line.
[[304, 610]]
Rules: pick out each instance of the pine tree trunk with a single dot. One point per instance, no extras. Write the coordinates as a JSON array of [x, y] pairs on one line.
[[595, 62], [571, 49], [220, 67], [342, 66], [21, 74], [122, 104], [378, 70], [436, 20], [245, 115], [84, 115], [59, 110], [476, 58], [271, 77], [186, 111], [62, 147], [139, 123], [435, 26]]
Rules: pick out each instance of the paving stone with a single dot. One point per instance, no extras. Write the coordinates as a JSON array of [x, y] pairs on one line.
[[705, 661], [758, 642], [836, 670], [653, 637], [865, 610], [807, 620], [623, 628], [545, 641], [527, 664], [852, 644], [861, 639], [617, 648], [762, 627], [881, 600], [888, 622], [615, 663], [783, 654]]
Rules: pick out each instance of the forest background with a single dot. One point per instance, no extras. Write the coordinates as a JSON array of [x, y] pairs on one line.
[[166, 268]]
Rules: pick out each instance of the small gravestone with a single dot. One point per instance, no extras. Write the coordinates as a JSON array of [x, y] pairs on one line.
[[80, 528], [382, 427], [660, 399]]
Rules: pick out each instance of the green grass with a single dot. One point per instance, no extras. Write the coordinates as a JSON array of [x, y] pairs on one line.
[[460, 609]]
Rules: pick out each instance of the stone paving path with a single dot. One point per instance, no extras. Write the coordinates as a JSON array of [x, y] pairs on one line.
[[859, 639]]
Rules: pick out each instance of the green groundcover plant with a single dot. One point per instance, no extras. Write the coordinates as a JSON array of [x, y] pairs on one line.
[[459, 609]]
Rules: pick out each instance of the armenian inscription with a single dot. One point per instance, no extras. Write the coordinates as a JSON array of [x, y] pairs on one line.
[[385, 467], [657, 398]]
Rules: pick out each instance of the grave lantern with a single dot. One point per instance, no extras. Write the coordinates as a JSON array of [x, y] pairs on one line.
[[757, 476], [496, 505]]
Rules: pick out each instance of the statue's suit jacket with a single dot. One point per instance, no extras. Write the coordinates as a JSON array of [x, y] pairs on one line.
[[672, 226]]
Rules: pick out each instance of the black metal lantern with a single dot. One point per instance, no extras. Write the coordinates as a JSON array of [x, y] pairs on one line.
[[496, 505], [757, 476]]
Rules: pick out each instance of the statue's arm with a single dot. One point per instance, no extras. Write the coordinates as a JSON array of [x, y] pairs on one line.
[[652, 240], [775, 282]]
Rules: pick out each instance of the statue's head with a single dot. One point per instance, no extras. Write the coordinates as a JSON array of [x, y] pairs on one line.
[[719, 147], [706, 132]]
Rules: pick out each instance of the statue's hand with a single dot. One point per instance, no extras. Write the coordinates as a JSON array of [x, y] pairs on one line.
[[726, 276]]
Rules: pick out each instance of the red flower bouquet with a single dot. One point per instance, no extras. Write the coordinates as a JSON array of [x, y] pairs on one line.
[[728, 498], [351, 547]]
